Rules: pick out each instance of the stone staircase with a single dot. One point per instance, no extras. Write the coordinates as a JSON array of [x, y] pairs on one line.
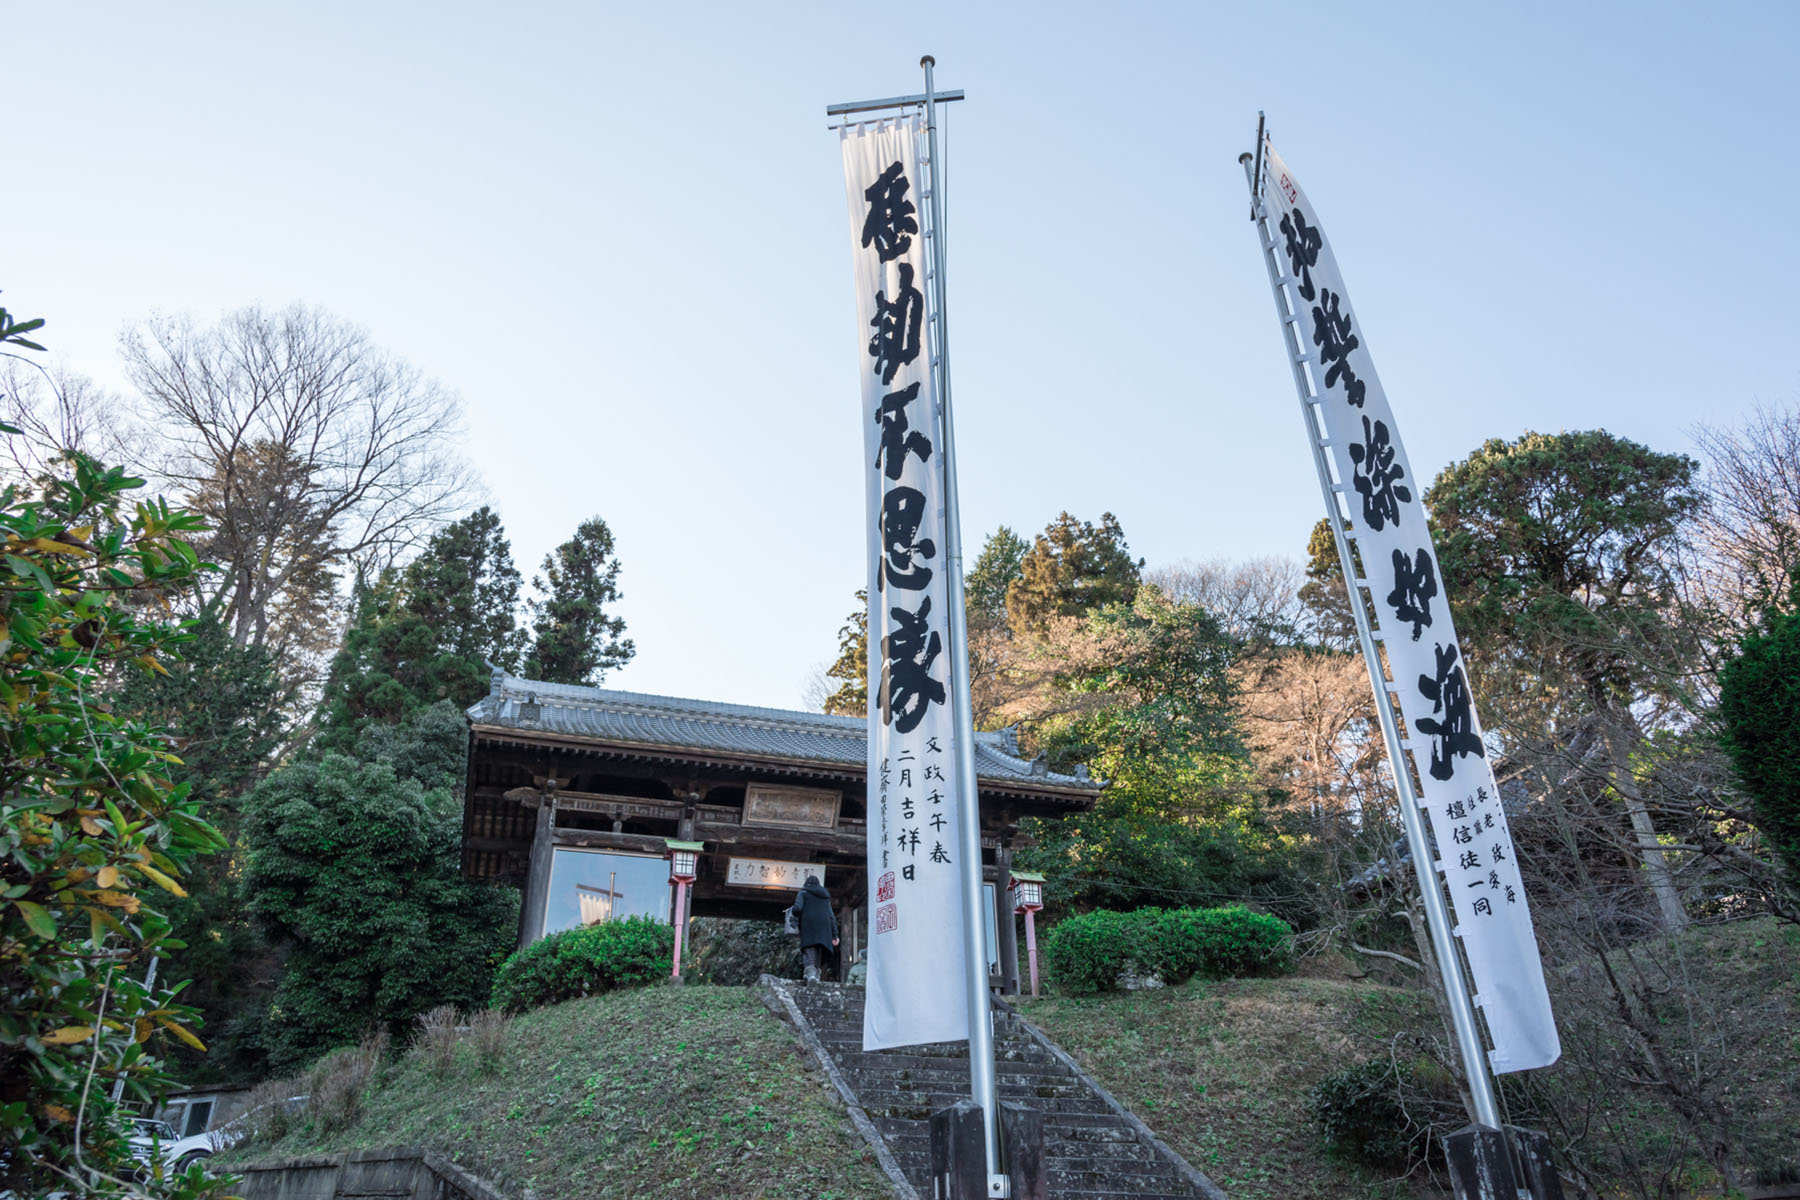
[[1094, 1149]]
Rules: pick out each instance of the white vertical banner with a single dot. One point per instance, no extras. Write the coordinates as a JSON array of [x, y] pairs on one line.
[[916, 991], [1382, 495]]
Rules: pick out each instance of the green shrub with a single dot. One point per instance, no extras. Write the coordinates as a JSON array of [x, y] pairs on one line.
[[581, 962], [1087, 953], [1233, 941], [1384, 1113]]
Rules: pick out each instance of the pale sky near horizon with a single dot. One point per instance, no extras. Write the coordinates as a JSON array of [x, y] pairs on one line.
[[619, 232]]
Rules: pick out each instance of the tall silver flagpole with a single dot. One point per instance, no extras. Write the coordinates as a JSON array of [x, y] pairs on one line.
[[1437, 918], [982, 1087]]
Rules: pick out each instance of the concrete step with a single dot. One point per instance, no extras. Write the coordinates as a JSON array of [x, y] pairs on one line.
[[904, 1101], [1086, 1183], [1011, 1087], [1068, 1130], [1132, 1158], [1091, 1153], [894, 1060]]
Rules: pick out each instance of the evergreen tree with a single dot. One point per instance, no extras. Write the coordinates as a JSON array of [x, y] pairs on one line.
[[1759, 707], [1149, 703], [1000, 562], [852, 665], [1560, 555], [1323, 596], [574, 641], [426, 633], [354, 868], [226, 706], [466, 587], [1073, 568]]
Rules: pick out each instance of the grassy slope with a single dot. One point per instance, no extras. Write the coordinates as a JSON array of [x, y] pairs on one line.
[[1221, 1070], [663, 1092], [699, 1092]]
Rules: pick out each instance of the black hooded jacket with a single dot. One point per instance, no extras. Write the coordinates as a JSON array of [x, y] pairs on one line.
[[818, 924]]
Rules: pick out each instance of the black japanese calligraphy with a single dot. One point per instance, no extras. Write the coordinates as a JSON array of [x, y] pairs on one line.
[[902, 512], [898, 438], [907, 686], [890, 217], [1454, 733], [1377, 476], [1303, 243], [938, 855], [896, 325], [1333, 336], [1415, 584]]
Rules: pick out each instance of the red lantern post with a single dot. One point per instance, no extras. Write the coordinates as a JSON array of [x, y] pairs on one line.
[[1028, 898], [684, 867]]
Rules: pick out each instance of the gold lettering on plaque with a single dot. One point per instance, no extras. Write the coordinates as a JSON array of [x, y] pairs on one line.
[[791, 807]]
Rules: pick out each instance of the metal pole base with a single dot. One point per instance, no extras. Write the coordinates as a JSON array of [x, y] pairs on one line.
[[1531, 1150], [1483, 1166], [959, 1154]]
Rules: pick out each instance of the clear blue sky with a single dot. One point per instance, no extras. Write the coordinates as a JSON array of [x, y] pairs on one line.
[[619, 232]]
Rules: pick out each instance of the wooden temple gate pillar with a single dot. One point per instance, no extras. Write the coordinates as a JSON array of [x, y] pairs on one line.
[[1005, 923], [543, 842]]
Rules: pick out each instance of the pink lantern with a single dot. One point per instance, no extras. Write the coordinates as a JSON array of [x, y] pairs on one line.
[[684, 868], [1028, 898]]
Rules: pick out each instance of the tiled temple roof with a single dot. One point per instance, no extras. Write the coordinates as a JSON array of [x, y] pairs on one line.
[[603, 715]]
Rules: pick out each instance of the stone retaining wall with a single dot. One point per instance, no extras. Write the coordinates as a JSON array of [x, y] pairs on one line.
[[402, 1173]]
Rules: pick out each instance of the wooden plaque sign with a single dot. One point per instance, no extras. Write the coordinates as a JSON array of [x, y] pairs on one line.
[[771, 873], [790, 807]]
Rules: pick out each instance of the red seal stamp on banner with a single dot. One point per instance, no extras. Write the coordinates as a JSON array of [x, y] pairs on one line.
[[887, 919], [884, 887]]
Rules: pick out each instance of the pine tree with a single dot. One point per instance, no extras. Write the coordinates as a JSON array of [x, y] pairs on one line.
[[426, 633], [1073, 568], [852, 665], [574, 641]]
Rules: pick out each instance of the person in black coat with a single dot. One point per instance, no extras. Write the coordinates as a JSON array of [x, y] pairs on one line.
[[818, 924]]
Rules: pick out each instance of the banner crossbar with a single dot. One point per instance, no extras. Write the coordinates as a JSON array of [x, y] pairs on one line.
[[859, 106]]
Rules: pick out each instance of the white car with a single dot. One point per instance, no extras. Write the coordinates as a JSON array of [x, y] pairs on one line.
[[235, 1130], [155, 1141]]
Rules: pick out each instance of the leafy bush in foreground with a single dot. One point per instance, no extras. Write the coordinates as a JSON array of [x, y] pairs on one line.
[[94, 832], [1384, 1113], [581, 962], [1088, 953]]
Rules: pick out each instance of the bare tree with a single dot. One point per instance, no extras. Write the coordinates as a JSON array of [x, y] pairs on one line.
[[308, 449], [56, 410], [1751, 531], [1255, 598]]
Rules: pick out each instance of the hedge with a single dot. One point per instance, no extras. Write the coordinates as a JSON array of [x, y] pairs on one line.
[[581, 962], [1089, 953]]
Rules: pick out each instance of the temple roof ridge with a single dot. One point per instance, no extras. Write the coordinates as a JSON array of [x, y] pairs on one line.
[[588, 711]]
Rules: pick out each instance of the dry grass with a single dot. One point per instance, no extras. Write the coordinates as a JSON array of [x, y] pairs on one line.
[[679, 1093], [436, 1043], [1222, 1071], [489, 1028], [334, 1088]]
